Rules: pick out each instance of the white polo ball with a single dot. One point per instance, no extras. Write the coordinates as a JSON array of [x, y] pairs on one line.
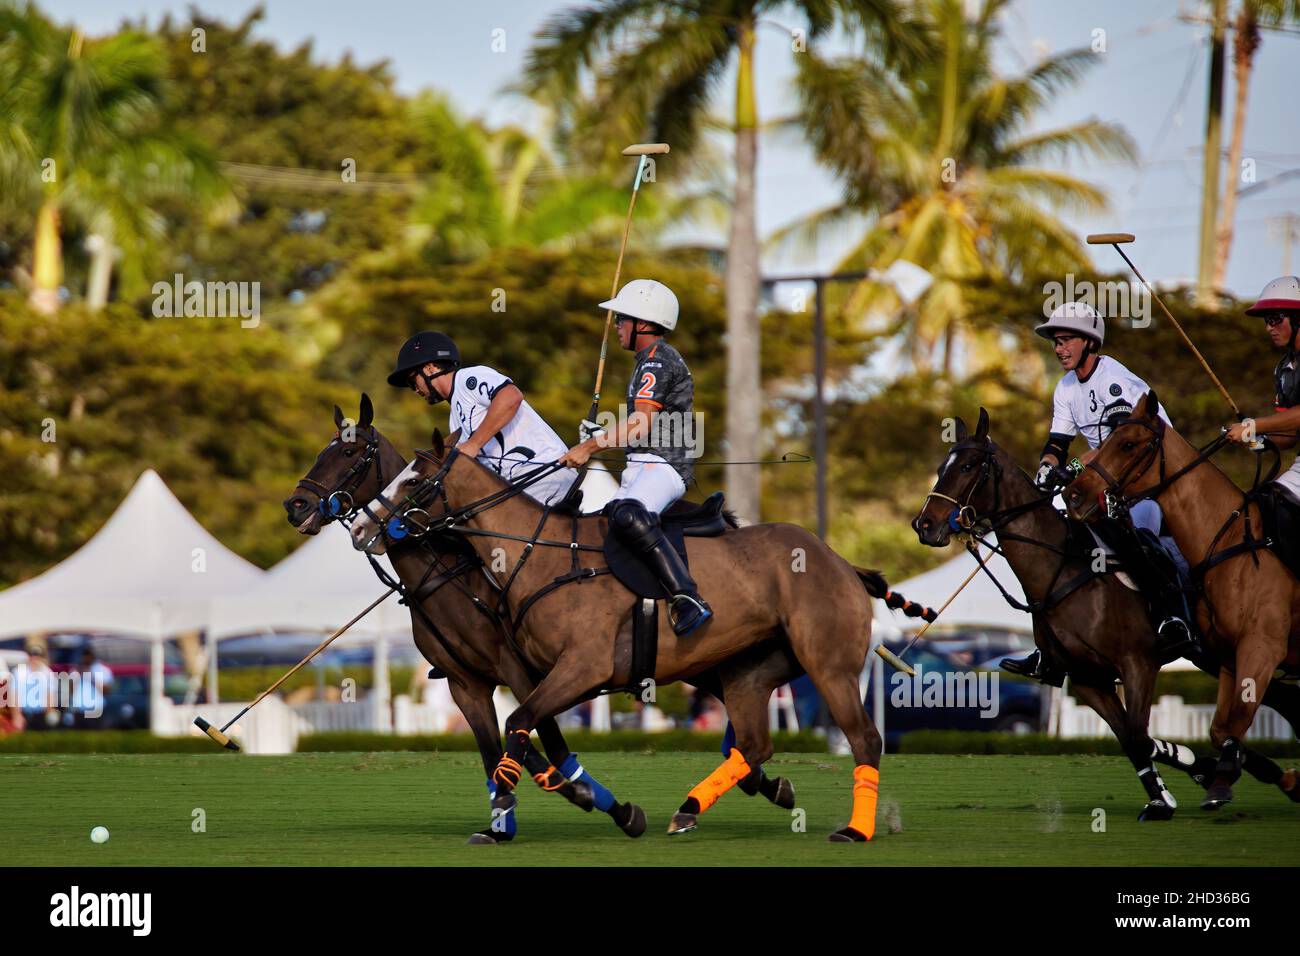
[[99, 835]]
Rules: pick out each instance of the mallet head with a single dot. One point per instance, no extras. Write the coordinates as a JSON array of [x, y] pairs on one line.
[[1109, 238], [645, 149], [215, 734]]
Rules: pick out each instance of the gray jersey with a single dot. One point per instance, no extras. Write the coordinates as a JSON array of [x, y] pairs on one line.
[[662, 379]]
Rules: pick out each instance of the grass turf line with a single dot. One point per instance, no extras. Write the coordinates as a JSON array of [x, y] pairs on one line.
[[364, 809]]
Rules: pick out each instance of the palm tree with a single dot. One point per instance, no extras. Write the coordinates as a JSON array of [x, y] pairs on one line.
[[84, 137], [655, 68], [937, 162], [1253, 16], [487, 189]]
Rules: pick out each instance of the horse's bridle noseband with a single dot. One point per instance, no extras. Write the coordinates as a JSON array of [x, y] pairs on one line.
[[1113, 497], [339, 503], [963, 518]]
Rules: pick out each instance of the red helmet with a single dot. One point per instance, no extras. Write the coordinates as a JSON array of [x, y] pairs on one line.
[[1282, 294]]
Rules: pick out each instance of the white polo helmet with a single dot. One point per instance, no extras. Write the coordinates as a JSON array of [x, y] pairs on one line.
[[1281, 293], [1077, 317], [647, 300]]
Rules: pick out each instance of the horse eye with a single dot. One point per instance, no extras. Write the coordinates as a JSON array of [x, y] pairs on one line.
[[966, 467], [349, 453], [1129, 446]]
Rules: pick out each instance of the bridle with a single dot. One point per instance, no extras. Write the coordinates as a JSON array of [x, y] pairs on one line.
[[963, 519], [1113, 497], [339, 503]]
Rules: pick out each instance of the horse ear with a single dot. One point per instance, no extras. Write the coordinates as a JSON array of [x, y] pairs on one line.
[[338, 418], [982, 429], [962, 431], [439, 449], [367, 411], [1150, 404]]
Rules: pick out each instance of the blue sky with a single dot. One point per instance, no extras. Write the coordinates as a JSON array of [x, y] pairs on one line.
[[1152, 80]]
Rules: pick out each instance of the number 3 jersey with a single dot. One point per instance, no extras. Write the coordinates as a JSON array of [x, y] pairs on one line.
[[662, 379], [1088, 407], [524, 443]]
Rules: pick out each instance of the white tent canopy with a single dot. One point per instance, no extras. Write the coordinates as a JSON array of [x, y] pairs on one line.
[[981, 604], [319, 587], [150, 572]]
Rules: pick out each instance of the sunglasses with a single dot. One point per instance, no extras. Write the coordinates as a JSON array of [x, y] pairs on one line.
[[1275, 320]]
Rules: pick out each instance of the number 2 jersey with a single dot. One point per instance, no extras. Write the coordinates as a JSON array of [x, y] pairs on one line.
[[1088, 407], [525, 442], [662, 379]]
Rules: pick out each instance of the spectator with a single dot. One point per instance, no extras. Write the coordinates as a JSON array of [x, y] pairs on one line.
[[34, 682], [94, 677], [11, 715]]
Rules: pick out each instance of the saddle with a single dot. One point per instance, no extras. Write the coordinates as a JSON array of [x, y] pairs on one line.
[[1281, 516], [684, 519]]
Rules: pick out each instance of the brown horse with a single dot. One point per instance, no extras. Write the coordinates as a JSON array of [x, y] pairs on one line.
[[784, 603], [1086, 621], [451, 629], [1248, 603], [454, 627]]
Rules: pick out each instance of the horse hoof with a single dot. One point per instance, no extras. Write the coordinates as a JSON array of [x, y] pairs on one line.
[[784, 796], [631, 820], [483, 838], [1156, 811], [847, 835], [683, 823], [1216, 796]]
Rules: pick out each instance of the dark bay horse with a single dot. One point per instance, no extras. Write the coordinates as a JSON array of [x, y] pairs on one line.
[[453, 633], [1248, 602], [1085, 620], [784, 602]]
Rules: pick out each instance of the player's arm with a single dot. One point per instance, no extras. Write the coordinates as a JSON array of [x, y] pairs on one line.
[[632, 432], [505, 403], [1287, 420]]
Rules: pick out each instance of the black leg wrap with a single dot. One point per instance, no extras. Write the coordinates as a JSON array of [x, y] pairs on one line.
[[690, 806], [1231, 758]]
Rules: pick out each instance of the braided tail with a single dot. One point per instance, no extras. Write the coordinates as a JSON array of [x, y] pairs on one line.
[[878, 587]]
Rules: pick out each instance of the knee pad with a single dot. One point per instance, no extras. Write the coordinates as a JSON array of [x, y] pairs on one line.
[[632, 522]]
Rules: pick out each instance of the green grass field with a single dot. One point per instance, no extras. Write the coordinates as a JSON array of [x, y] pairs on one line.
[[358, 809]]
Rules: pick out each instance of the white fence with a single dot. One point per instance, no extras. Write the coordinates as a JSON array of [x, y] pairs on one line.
[[1171, 719]]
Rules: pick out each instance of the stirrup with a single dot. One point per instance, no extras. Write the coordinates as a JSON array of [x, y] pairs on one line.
[[688, 622]]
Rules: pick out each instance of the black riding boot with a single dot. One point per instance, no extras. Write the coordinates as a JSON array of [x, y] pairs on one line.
[[1034, 666], [639, 530], [1162, 585]]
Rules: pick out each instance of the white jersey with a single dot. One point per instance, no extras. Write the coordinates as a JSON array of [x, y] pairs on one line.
[[1085, 407], [525, 442]]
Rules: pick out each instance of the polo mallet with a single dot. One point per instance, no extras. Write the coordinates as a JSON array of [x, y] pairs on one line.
[[1117, 239], [642, 150], [219, 735], [896, 660]]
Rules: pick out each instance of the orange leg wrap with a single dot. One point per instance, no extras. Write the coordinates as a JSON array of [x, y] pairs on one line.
[[866, 791], [733, 770]]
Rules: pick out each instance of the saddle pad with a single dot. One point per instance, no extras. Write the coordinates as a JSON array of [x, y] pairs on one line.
[[628, 567]]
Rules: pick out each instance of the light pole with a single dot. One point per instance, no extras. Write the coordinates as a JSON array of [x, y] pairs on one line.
[[909, 281]]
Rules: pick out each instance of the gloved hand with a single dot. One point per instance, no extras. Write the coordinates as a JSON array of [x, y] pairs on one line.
[[1047, 478], [589, 429]]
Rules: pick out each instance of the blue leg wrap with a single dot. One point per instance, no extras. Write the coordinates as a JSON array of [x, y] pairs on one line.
[[507, 823], [728, 740], [575, 771]]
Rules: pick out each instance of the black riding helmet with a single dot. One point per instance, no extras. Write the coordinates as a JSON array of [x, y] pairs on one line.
[[418, 351]]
